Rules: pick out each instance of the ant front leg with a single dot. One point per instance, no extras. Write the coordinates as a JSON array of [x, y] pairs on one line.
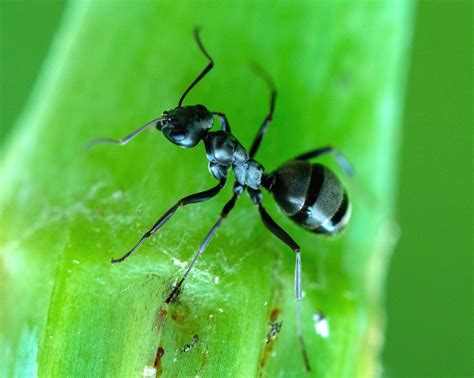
[[193, 198]]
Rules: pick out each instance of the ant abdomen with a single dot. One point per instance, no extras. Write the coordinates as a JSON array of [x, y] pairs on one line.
[[312, 196]]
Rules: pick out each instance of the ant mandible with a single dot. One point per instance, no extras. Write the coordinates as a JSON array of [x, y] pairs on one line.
[[309, 194]]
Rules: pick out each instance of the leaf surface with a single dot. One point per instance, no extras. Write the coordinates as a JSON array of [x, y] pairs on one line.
[[339, 69]]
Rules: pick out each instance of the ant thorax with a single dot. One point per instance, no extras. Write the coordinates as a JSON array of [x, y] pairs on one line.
[[223, 151]]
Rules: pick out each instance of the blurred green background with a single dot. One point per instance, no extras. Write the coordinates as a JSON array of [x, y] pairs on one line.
[[429, 286]]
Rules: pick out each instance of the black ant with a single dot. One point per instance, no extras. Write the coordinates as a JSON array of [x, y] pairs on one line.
[[309, 194]]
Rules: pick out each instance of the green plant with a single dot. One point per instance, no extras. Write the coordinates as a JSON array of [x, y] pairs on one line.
[[339, 69]]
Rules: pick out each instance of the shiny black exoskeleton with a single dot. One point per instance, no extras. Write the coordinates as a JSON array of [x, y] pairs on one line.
[[186, 126], [310, 194]]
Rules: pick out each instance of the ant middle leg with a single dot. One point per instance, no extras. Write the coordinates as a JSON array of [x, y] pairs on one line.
[[340, 158], [268, 119], [225, 211], [193, 198]]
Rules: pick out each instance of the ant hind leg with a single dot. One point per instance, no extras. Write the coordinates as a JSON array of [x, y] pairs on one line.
[[281, 234], [340, 158]]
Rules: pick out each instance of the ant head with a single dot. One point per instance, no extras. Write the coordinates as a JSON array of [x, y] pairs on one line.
[[185, 126]]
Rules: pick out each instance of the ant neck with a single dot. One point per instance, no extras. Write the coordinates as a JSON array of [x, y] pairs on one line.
[[267, 181]]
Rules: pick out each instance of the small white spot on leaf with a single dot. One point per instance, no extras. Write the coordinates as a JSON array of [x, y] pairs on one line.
[[149, 371], [117, 195], [179, 263], [321, 324]]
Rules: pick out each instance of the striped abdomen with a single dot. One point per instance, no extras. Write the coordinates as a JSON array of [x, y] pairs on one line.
[[312, 196]]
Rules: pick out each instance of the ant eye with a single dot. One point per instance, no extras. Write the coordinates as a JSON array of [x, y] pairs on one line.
[[177, 135]]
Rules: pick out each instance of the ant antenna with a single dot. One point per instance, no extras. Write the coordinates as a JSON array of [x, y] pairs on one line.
[[125, 139], [204, 72]]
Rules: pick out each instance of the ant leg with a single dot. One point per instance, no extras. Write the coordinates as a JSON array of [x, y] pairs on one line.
[[281, 234], [193, 198], [224, 121], [225, 211], [263, 129], [204, 71], [125, 139], [340, 158]]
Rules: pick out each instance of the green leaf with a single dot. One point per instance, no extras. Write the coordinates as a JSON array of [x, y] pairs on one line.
[[339, 70]]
